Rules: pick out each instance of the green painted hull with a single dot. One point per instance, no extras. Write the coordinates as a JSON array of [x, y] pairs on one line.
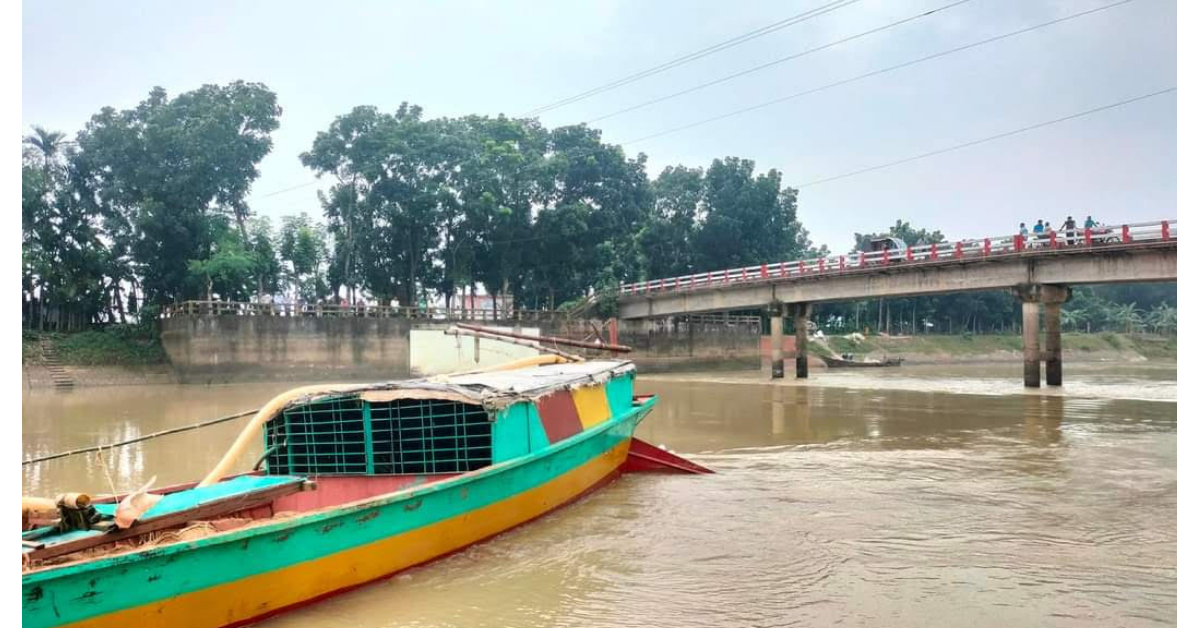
[[93, 590]]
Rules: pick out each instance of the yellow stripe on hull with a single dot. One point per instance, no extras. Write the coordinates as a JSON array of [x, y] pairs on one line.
[[245, 599], [591, 404]]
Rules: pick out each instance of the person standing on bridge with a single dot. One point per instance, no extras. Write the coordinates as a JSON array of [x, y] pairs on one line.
[[1068, 228], [1038, 229]]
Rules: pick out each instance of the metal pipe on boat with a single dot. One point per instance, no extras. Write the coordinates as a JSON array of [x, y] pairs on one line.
[[455, 331], [551, 339], [250, 433]]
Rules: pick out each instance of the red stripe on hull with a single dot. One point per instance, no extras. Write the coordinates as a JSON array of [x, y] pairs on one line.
[[559, 417]]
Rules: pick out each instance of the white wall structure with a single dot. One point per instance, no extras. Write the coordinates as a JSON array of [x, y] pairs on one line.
[[432, 351]]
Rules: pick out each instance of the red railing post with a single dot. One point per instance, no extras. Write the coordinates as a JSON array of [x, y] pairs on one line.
[[764, 271], [908, 253], [842, 262], [821, 265], [933, 251], [1166, 230], [744, 275], [958, 250], [726, 279], [1087, 236], [709, 278], [987, 247], [885, 257], [862, 259], [1125, 234]]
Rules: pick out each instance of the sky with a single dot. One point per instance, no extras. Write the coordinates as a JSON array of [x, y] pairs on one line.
[[476, 57]]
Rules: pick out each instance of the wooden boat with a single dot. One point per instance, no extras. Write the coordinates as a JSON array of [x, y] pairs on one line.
[[839, 363], [360, 482]]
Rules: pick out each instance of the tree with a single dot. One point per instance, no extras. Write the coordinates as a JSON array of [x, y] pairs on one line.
[[229, 271], [1163, 318], [267, 267], [163, 171], [1129, 317], [747, 219], [302, 250], [667, 241]]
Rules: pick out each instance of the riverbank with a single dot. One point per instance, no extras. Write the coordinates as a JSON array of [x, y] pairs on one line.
[[967, 348], [123, 357]]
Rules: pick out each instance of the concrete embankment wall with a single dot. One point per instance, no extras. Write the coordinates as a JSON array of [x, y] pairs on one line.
[[216, 349], [250, 348]]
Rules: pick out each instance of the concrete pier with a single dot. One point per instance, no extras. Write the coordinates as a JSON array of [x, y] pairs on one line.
[[1030, 309], [775, 311], [1033, 299], [800, 313], [1052, 298]]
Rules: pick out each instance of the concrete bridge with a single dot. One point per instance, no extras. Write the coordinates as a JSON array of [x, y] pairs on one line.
[[1038, 269]]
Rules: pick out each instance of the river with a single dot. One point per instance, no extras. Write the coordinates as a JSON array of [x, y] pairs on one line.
[[924, 496]]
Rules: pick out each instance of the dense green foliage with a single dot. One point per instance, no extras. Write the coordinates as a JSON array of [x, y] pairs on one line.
[[149, 206], [125, 345]]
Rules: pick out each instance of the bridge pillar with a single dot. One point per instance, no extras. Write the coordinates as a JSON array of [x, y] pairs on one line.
[[1033, 297], [1033, 350], [800, 312], [1052, 298], [775, 311], [1029, 333]]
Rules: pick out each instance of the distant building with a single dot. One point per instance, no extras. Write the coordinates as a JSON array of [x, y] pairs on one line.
[[503, 303]]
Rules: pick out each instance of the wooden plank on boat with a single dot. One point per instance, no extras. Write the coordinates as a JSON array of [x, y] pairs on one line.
[[224, 505]]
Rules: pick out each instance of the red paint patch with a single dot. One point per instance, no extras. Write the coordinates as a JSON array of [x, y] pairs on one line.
[[559, 417]]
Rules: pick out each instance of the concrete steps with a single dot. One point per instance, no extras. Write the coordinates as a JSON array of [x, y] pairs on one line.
[[58, 373]]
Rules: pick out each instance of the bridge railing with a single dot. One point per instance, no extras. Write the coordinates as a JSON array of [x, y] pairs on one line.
[[333, 310], [1050, 242]]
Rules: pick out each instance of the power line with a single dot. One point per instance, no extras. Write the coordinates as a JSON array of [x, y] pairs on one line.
[[294, 187], [991, 138], [860, 77], [825, 87], [699, 54], [776, 62]]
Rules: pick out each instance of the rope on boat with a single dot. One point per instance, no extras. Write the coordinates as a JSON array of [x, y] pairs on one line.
[[174, 430]]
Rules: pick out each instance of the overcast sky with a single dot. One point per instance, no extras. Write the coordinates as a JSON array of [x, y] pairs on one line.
[[456, 58]]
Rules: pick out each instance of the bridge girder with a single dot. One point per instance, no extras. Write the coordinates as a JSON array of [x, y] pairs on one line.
[[1140, 263]]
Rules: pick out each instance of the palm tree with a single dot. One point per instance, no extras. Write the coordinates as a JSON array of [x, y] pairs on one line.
[[1129, 316], [1163, 318], [49, 144], [1071, 318]]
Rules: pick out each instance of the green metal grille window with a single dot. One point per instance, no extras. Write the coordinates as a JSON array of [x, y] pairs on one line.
[[404, 436], [430, 436]]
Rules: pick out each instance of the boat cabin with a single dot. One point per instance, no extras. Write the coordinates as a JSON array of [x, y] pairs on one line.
[[332, 446]]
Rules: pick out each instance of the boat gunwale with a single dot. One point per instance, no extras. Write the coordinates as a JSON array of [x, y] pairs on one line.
[[51, 572]]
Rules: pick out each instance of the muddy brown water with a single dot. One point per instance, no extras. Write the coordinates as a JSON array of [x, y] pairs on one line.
[[924, 496]]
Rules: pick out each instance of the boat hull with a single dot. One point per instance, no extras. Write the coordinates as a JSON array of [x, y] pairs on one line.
[[835, 363], [243, 576]]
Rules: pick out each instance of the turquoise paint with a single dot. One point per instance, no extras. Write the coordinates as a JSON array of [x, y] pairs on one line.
[[182, 500], [537, 432], [619, 391], [102, 586], [368, 438], [510, 433]]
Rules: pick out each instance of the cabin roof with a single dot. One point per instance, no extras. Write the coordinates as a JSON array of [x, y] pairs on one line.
[[494, 390]]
